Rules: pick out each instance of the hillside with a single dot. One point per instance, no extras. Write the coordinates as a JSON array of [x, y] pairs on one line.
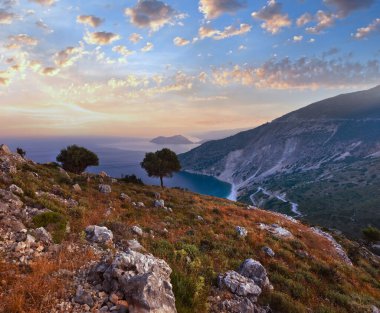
[[319, 163], [173, 140], [81, 243]]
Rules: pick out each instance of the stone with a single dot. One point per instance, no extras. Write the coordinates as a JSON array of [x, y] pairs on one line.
[[99, 234], [239, 284], [77, 188], [137, 230], [375, 309], [83, 297], [140, 204], [4, 150], [103, 188], [16, 189], [103, 174], [124, 197], [134, 245], [268, 251], [254, 270], [64, 173], [157, 195], [41, 234], [241, 231], [143, 280], [159, 203], [200, 218], [277, 230]]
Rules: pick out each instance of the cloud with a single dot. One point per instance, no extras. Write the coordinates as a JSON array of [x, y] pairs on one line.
[[101, 38], [49, 71], [178, 41], [345, 7], [324, 20], [44, 2], [297, 38], [135, 38], [68, 56], [214, 8], [364, 32], [304, 19], [23, 40], [122, 50], [229, 31], [152, 14], [273, 17], [43, 26], [90, 20], [6, 17], [148, 47], [301, 73]]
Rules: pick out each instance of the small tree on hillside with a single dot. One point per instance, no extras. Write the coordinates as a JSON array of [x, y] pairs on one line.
[[21, 152], [76, 159], [161, 164]]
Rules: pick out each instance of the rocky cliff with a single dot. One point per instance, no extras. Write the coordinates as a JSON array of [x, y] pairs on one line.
[[91, 243]]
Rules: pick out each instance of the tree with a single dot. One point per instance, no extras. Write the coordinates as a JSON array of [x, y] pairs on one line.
[[161, 164], [21, 152], [372, 234], [76, 159]]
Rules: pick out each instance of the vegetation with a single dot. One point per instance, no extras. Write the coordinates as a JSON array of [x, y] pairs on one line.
[[76, 159], [21, 152], [372, 233], [132, 179], [161, 164], [196, 250]]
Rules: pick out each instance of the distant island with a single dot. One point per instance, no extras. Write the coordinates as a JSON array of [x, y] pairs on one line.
[[173, 140]]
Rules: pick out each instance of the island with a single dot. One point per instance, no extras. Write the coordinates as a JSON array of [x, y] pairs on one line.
[[172, 140]]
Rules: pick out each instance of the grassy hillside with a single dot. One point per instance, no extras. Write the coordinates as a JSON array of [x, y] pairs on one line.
[[198, 240]]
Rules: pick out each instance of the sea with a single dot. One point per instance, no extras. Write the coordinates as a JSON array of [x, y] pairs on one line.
[[119, 157]]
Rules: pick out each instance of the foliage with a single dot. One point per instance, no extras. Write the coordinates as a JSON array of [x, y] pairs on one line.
[[161, 164], [21, 152], [132, 179], [76, 159], [372, 233], [53, 221]]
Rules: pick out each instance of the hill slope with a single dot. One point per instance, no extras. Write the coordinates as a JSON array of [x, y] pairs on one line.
[[321, 160], [308, 270]]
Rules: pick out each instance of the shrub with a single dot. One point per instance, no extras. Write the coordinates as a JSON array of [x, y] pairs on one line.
[[54, 222], [371, 233], [132, 179], [76, 159], [21, 152], [283, 303]]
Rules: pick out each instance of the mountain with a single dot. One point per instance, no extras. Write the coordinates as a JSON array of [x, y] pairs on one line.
[[321, 162], [91, 243], [173, 140]]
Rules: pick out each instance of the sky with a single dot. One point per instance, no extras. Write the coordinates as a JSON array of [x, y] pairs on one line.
[[151, 67]]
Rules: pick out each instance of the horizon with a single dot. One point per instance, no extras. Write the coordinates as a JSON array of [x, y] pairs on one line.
[[148, 67]]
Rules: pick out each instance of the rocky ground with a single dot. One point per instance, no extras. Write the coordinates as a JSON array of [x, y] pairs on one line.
[[72, 266]]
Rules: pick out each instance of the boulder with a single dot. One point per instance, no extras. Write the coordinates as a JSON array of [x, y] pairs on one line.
[[99, 234], [239, 285], [41, 234], [268, 251], [124, 197], [135, 245], [141, 280], [4, 150], [77, 188], [105, 188], [137, 230], [254, 270], [159, 203], [241, 231], [16, 189]]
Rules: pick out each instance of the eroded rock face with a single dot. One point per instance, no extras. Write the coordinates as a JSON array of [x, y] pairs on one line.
[[143, 280], [99, 234], [253, 269]]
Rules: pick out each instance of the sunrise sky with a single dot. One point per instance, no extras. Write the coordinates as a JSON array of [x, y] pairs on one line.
[[143, 68]]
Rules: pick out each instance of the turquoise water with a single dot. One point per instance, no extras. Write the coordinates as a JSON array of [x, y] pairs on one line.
[[121, 156]]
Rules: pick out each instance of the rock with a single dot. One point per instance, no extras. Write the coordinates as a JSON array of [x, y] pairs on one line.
[[4, 150], [253, 269], [137, 230], [140, 204], [375, 309], [276, 230], [77, 188], [103, 174], [16, 189], [239, 285], [200, 218], [135, 245], [83, 297], [99, 234], [41, 234], [241, 231], [268, 251], [157, 195], [142, 280], [124, 197], [105, 188], [251, 207], [159, 203], [64, 173]]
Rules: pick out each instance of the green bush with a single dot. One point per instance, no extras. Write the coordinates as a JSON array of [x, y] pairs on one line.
[[283, 303], [53, 222], [371, 233]]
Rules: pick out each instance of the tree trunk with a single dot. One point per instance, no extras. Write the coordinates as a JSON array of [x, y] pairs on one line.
[[162, 182]]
